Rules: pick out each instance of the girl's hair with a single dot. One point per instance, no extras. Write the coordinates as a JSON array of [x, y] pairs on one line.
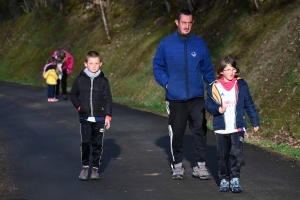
[[92, 54], [50, 60], [227, 61]]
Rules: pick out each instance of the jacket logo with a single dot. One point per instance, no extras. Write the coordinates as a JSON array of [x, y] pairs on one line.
[[222, 94], [194, 54]]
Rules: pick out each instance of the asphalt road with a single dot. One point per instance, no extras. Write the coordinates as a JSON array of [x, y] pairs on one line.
[[40, 157]]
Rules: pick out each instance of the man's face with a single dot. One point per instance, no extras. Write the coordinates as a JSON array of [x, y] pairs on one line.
[[185, 24]]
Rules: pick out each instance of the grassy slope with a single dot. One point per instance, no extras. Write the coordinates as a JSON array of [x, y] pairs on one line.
[[265, 45]]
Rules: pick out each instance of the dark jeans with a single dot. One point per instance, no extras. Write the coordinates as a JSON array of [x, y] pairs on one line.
[[180, 113], [92, 134], [230, 154], [63, 83], [51, 90]]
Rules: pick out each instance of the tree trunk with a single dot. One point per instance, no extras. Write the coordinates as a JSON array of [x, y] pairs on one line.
[[104, 22]]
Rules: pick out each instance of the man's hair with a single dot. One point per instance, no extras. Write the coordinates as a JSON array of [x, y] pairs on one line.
[[60, 54], [92, 54], [182, 12]]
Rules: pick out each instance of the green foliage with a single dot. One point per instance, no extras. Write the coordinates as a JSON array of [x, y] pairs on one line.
[[282, 148]]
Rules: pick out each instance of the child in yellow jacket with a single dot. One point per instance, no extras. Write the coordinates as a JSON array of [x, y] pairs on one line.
[[50, 74]]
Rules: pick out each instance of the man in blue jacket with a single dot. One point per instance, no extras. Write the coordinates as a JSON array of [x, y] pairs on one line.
[[181, 65]]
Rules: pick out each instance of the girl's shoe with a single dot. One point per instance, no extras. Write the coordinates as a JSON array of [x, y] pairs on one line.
[[224, 186], [52, 100], [235, 185]]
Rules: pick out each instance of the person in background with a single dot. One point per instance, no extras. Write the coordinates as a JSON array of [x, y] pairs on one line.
[[50, 74], [227, 100], [65, 62], [91, 96], [181, 65]]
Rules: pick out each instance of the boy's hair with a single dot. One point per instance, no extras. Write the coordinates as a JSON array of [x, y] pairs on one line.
[[227, 61], [60, 54], [92, 54], [182, 12], [50, 60]]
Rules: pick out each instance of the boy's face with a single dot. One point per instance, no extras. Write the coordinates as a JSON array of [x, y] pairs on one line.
[[93, 64], [228, 73]]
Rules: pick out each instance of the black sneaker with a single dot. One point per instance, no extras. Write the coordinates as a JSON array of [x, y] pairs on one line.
[[178, 171], [65, 97]]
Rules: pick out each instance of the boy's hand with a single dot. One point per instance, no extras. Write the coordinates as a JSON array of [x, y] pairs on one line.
[[107, 122]]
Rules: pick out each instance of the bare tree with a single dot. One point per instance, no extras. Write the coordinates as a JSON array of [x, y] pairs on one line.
[[104, 22], [168, 6]]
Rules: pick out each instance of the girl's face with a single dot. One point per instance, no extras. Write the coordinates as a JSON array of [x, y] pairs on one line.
[[93, 64], [228, 73]]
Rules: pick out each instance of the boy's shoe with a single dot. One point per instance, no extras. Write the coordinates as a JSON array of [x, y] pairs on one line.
[[84, 173], [95, 174], [235, 185], [224, 186], [200, 171], [52, 100], [178, 171]]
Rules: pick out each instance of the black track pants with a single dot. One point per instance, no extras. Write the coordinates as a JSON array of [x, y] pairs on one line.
[[63, 83], [192, 111], [92, 134], [230, 154]]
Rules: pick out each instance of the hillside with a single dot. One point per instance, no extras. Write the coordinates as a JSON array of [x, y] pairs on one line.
[[266, 46]]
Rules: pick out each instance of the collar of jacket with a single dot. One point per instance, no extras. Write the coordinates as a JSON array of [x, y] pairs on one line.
[[216, 81], [182, 37]]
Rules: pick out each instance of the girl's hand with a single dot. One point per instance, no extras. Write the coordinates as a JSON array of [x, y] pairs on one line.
[[255, 128], [222, 109]]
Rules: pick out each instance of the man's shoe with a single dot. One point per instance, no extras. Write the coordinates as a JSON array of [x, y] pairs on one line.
[[200, 171], [224, 186], [235, 185], [178, 171], [65, 97], [84, 173], [95, 174]]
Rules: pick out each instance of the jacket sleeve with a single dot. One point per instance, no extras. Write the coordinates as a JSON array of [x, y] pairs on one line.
[[211, 105], [107, 97], [45, 75], [250, 107], [160, 67], [69, 63], [74, 94], [207, 68]]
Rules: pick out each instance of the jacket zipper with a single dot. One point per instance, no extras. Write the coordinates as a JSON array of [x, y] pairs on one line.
[[91, 97], [186, 70]]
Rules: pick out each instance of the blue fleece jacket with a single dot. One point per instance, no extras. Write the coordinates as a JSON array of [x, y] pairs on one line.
[[182, 65], [244, 103]]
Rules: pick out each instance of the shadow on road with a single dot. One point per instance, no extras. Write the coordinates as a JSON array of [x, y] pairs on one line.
[[111, 152], [211, 154]]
